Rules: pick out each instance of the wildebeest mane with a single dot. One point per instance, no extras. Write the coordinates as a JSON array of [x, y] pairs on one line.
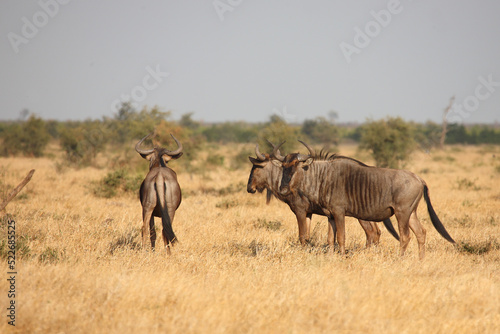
[[325, 155]]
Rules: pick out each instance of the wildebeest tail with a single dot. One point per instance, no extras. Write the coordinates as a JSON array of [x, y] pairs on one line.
[[388, 225], [166, 222], [434, 218]]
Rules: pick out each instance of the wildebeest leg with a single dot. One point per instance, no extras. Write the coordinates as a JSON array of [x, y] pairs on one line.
[[165, 231], [420, 232], [301, 221], [332, 233], [340, 225], [403, 218], [152, 231], [147, 212], [308, 227], [372, 232]]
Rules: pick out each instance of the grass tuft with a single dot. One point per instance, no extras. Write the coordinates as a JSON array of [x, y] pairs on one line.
[[478, 247], [127, 241]]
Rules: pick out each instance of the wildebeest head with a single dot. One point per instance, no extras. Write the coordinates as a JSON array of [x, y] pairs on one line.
[[264, 174], [291, 163], [159, 156], [258, 179]]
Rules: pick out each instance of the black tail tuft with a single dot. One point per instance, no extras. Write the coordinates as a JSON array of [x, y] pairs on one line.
[[434, 218], [388, 225], [168, 232], [269, 196]]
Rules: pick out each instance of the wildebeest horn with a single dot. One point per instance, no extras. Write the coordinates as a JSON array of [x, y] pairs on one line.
[[274, 146], [179, 147], [276, 152], [259, 155], [311, 151], [144, 152]]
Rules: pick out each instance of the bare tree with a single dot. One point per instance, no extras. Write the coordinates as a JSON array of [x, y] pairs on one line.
[[445, 122]]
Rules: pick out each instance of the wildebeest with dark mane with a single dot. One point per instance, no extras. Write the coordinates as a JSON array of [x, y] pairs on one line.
[[160, 193], [342, 188], [266, 176]]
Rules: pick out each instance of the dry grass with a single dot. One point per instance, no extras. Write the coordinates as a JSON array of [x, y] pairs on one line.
[[238, 267]]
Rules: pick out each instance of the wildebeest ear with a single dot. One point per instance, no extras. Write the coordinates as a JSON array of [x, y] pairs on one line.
[[147, 156], [277, 163], [167, 157], [307, 162], [177, 156], [256, 162]]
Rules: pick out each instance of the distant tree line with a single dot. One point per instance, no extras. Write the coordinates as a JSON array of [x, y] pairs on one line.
[[389, 140]]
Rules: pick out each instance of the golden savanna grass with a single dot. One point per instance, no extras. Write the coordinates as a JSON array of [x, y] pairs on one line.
[[238, 267]]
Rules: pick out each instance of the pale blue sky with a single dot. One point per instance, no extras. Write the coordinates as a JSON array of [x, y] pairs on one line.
[[250, 59]]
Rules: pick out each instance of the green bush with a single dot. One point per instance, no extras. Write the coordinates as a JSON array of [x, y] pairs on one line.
[[390, 141], [278, 131], [28, 138], [231, 132], [117, 181], [82, 141], [131, 124], [321, 131]]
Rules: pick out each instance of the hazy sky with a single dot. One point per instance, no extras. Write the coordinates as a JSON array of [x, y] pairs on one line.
[[234, 60]]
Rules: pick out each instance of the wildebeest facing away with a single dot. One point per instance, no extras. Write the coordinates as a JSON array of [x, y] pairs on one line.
[[342, 188], [160, 193], [265, 175]]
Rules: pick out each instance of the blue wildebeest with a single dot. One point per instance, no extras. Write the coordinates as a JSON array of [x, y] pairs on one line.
[[160, 193], [343, 188], [266, 176]]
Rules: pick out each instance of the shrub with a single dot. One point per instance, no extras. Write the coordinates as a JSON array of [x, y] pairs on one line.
[[390, 141], [231, 132], [321, 131], [82, 142], [277, 131], [29, 138], [116, 181]]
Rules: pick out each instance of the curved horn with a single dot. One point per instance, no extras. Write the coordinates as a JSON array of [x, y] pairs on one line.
[[144, 152], [274, 146], [311, 151], [179, 147], [259, 155], [277, 154]]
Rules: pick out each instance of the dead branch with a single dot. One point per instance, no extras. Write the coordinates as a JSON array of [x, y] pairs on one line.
[[16, 190]]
